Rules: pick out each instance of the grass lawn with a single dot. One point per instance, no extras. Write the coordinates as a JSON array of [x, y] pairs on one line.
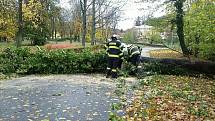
[[49, 45], [4, 45]]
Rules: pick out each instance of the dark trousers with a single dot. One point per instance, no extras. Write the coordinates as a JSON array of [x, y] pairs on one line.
[[120, 63], [113, 63], [135, 60]]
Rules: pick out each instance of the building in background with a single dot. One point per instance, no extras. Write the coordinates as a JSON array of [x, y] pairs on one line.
[[143, 31]]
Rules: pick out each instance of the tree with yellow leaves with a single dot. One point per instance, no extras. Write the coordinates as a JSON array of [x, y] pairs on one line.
[[8, 26]]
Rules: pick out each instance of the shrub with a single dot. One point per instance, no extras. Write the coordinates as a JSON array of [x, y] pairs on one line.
[[88, 60], [12, 59], [207, 51], [22, 61]]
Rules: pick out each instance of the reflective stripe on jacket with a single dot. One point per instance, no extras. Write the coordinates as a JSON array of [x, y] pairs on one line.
[[113, 49], [133, 50]]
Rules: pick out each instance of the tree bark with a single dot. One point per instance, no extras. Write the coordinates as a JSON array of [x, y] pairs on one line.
[[84, 21], [52, 27], [19, 34], [70, 34], [180, 25], [106, 30], [55, 30], [93, 34]]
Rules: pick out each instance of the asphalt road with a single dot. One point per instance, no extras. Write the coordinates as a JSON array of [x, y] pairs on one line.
[[56, 98]]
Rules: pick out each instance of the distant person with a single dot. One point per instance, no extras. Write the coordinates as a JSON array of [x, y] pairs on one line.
[[114, 54]]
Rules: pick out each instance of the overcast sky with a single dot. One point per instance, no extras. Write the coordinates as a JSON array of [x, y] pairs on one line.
[[131, 11]]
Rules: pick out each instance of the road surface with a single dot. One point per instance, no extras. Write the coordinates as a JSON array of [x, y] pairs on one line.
[[57, 98]]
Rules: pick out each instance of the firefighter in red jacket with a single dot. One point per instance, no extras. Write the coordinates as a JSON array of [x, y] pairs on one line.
[[114, 53]]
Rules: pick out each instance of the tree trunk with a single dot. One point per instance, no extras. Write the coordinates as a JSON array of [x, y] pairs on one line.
[[55, 31], [103, 29], [180, 25], [19, 34], [93, 34], [106, 30], [198, 66], [70, 34], [84, 21], [52, 27]]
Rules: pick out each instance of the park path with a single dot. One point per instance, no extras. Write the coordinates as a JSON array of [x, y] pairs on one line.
[[57, 98]]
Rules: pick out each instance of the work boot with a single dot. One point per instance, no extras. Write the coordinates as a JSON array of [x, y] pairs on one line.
[[108, 74]]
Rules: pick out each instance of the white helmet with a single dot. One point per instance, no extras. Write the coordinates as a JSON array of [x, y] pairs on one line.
[[108, 40], [114, 37], [123, 45]]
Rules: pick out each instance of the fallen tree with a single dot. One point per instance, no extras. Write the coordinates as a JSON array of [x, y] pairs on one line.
[[205, 67]]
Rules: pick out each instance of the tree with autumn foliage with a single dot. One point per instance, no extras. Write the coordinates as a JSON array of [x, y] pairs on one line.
[[194, 24], [200, 28], [8, 26]]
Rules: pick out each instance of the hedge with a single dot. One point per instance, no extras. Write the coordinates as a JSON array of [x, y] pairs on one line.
[[23, 61], [67, 61]]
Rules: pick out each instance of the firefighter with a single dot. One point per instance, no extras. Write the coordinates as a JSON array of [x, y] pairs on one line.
[[114, 54], [122, 47], [134, 53]]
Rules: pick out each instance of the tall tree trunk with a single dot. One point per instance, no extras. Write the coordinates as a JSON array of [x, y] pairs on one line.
[[64, 30], [103, 29], [52, 27], [55, 30], [93, 34], [70, 33], [84, 21], [106, 30], [19, 34], [102, 24], [180, 25], [84, 29]]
